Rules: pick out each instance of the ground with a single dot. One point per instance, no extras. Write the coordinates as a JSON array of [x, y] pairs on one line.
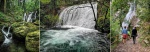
[[130, 47]]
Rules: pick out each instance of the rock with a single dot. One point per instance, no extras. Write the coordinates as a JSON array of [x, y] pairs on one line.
[[36, 22], [32, 27], [32, 41], [17, 47], [21, 30], [27, 33]]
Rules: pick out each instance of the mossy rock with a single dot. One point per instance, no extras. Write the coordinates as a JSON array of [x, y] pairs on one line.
[[17, 47], [32, 41], [21, 30], [32, 27], [17, 24], [36, 22]]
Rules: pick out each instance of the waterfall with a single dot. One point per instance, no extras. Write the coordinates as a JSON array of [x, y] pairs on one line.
[[29, 17], [76, 32], [79, 15], [129, 15], [7, 35]]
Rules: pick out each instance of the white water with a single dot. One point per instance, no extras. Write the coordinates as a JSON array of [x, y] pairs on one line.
[[29, 17], [129, 15], [79, 15], [7, 35], [70, 35], [77, 37]]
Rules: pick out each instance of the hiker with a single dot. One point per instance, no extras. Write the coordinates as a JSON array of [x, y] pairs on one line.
[[124, 34], [134, 34]]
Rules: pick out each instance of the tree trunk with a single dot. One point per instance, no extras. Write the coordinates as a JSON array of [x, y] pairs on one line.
[[94, 15], [24, 6], [5, 6]]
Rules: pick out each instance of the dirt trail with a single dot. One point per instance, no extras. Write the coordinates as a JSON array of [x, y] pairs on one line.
[[130, 47]]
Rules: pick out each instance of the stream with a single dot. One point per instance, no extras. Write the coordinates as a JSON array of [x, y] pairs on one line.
[[75, 32]]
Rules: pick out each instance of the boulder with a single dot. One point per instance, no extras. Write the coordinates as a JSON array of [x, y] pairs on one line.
[[32, 41], [21, 30]]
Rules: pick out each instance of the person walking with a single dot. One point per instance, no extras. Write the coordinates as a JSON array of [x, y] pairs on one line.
[[124, 34], [134, 34]]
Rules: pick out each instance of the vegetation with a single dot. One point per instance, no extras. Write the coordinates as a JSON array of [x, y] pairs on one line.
[[50, 9], [119, 9], [143, 11], [12, 14]]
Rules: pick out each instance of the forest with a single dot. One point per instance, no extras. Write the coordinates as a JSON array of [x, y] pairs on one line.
[[19, 25], [141, 20]]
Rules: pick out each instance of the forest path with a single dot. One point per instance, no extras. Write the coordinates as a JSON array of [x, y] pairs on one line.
[[130, 47]]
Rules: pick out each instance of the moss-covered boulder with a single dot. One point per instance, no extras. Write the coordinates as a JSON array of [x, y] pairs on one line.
[[36, 22], [32, 41], [29, 33], [16, 24], [32, 27], [17, 47], [21, 30]]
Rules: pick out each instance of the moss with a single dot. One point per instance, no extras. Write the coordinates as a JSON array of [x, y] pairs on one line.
[[45, 1], [17, 24], [32, 41], [21, 30], [15, 48], [36, 22]]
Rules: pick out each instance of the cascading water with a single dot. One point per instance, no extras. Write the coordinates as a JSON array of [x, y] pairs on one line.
[[8, 39], [7, 35], [76, 32], [76, 15], [29, 18], [129, 15]]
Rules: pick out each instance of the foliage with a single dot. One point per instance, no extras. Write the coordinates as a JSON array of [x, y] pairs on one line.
[[50, 20], [143, 11], [103, 20], [45, 1], [119, 7], [12, 15], [32, 41]]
